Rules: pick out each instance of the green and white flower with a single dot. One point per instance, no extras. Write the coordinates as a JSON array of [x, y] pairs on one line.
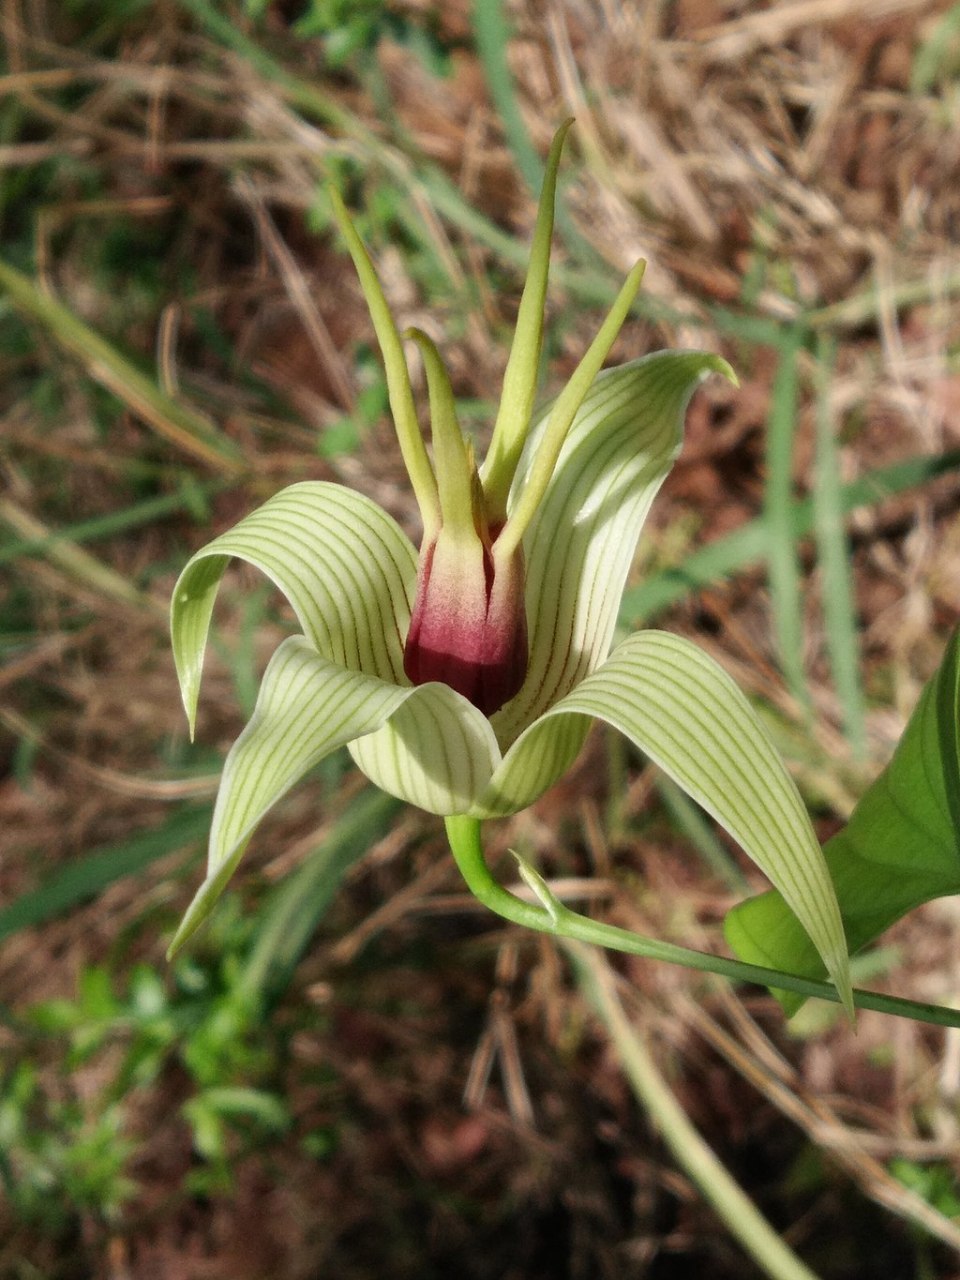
[[464, 679]]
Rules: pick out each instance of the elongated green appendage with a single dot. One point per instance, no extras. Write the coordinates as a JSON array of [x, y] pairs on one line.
[[398, 375], [520, 377], [450, 457], [564, 411]]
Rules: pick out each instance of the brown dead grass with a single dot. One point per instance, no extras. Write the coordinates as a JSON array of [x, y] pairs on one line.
[[709, 135]]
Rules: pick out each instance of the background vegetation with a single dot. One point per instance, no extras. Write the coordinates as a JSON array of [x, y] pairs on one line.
[[356, 1072]]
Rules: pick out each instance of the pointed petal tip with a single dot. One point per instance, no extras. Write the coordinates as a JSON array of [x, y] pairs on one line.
[[725, 369], [187, 927], [181, 936], [839, 970], [709, 364], [190, 697], [634, 278]]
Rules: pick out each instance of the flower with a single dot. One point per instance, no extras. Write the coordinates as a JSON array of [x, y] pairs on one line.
[[469, 625], [464, 680]]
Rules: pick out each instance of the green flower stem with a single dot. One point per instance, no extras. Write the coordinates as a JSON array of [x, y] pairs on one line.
[[554, 918], [732, 1205]]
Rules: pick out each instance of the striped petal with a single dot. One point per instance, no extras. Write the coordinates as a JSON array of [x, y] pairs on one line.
[[346, 567], [684, 712], [582, 541], [437, 751], [441, 754], [538, 759]]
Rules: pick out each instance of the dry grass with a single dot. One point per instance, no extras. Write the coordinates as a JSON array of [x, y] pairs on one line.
[[771, 162]]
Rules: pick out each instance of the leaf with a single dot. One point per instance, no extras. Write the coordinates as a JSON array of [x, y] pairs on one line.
[[581, 543], [783, 557], [683, 711], [900, 848], [438, 755], [345, 566]]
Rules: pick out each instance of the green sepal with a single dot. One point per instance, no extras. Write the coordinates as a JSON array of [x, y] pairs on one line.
[[443, 751], [345, 566], [682, 710]]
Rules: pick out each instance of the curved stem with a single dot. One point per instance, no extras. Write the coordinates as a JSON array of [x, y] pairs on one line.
[[553, 917], [695, 1157]]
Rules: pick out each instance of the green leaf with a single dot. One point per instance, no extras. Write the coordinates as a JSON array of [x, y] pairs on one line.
[[433, 750], [836, 560], [683, 711], [900, 848], [346, 567], [581, 543]]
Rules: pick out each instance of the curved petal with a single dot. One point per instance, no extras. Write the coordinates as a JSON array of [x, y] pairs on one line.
[[581, 543], [442, 750], [346, 567], [683, 711], [538, 759], [437, 751]]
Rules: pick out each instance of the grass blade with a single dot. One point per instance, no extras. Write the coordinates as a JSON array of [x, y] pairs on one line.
[[104, 526], [748, 545], [86, 877], [78, 564], [839, 609], [782, 559], [491, 32], [762, 1243], [183, 427], [298, 905]]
